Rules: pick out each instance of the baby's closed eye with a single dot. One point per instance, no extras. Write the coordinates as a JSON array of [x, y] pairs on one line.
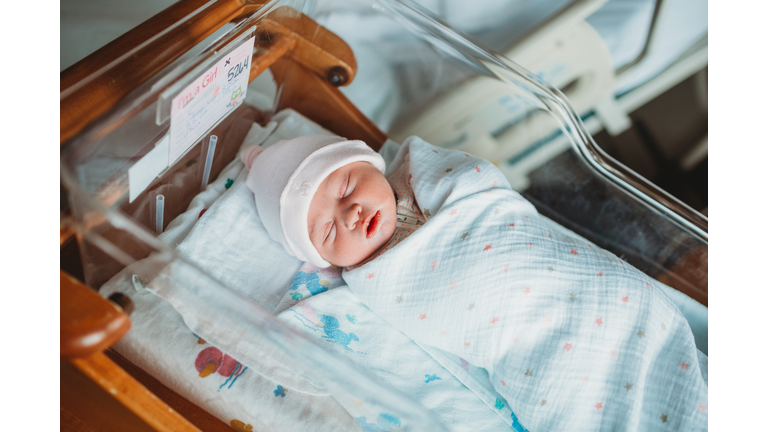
[[330, 233], [345, 190]]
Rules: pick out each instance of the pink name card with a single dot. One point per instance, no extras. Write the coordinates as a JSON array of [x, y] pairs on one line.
[[209, 98]]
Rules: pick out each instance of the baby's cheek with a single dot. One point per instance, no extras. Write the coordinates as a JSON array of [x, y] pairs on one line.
[[388, 230], [347, 251]]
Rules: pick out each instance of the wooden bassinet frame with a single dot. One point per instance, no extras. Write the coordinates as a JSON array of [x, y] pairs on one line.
[[98, 386], [308, 62]]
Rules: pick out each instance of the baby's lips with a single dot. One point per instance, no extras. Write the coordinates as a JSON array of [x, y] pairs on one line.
[[367, 223], [373, 224]]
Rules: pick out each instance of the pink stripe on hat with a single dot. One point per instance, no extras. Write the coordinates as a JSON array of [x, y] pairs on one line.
[[248, 154]]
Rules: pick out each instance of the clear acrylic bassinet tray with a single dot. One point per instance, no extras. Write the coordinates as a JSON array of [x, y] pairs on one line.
[[409, 67]]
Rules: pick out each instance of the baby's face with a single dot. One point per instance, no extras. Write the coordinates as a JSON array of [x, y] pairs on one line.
[[352, 214]]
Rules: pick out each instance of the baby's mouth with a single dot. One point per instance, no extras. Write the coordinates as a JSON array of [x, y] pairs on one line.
[[373, 225]]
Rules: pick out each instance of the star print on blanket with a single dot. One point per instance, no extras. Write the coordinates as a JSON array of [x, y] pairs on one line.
[[572, 337]]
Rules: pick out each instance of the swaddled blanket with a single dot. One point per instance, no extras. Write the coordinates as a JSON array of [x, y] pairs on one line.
[[572, 337]]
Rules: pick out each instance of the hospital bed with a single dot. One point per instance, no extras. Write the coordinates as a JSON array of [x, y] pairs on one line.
[[608, 57], [138, 201]]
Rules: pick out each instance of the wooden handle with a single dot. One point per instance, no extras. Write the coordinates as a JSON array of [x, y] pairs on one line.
[[316, 99], [315, 47], [89, 323]]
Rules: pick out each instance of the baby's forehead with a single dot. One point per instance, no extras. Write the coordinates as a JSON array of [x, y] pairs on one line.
[[358, 167]]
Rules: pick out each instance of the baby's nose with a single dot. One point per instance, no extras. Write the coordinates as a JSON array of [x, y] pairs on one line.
[[353, 216]]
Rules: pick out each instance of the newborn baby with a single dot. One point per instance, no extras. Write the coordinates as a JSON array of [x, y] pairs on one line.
[[571, 336], [324, 198]]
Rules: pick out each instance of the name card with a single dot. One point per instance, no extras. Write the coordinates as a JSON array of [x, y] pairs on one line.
[[209, 98]]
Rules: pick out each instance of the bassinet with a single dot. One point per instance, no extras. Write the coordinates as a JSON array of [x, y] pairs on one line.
[[116, 108]]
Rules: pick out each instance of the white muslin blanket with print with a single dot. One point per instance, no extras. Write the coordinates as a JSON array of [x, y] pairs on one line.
[[572, 337]]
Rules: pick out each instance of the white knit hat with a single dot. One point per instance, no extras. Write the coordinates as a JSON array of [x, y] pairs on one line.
[[285, 177]]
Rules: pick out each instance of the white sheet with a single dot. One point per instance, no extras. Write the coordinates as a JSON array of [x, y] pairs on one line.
[[229, 244]]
